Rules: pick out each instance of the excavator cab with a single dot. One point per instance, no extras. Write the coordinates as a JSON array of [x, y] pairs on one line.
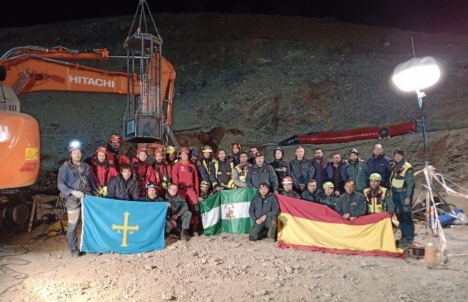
[[19, 159], [8, 99], [19, 141]]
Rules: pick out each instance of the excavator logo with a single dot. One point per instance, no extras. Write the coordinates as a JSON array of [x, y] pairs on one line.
[[91, 81]]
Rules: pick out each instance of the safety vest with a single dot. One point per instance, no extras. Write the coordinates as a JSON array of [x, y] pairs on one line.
[[216, 166], [398, 178], [242, 171], [207, 165], [375, 204]]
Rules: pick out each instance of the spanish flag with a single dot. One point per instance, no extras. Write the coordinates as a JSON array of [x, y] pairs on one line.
[[310, 226]]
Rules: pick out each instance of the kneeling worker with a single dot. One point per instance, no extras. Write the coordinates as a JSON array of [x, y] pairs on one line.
[[329, 198], [378, 198], [178, 214], [263, 210], [151, 193], [352, 204], [288, 187]]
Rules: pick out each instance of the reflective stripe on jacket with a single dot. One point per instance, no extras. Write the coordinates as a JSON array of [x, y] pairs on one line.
[[376, 200], [398, 177]]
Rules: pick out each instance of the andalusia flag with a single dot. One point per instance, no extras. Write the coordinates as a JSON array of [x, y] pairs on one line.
[[310, 226], [227, 211]]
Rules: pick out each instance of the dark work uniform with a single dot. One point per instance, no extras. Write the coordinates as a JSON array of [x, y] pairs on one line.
[[281, 169], [321, 175], [354, 204], [291, 193], [221, 173], [257, 175], [314, 197], [330, 201], [260, 206], [338, 176]]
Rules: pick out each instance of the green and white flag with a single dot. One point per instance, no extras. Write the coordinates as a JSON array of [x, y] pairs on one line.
[[227, 211]]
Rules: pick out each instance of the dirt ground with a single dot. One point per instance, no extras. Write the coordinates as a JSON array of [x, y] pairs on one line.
[[225, 268]]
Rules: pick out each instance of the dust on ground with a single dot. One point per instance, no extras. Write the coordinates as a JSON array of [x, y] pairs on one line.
[[225, 268]]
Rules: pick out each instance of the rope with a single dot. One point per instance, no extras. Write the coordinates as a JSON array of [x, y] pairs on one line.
[[133, 22], [152, 20]]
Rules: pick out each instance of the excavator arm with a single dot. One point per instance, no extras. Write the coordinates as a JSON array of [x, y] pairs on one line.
[[32, 68]]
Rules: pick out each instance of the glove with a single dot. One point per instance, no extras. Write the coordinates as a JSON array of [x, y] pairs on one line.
[[77, 194]]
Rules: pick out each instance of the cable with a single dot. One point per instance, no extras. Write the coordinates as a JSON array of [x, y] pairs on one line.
[[18, 275]]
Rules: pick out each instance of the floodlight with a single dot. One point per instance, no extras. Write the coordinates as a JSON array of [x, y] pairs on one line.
[[416, 74]]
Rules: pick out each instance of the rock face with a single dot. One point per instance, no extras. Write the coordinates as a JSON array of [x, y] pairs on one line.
[[252, 79], [258, 79]]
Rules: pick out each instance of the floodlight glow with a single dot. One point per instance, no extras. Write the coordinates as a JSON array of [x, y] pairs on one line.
[[416, 74]]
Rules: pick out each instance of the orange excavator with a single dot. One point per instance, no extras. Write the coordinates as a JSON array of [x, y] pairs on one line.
[[32, 68]]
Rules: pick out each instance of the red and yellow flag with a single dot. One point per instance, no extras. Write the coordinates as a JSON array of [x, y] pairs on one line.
[[310, 226]]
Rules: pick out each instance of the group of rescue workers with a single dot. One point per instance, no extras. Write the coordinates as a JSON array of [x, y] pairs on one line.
[[351, 187]]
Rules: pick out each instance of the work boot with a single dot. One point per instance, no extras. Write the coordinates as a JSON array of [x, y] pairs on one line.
[[75, 254], [183, 235], [403, 243]]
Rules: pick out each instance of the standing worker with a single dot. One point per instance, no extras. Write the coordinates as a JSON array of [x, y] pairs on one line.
[[301, 169], [402, 182], [114, 156], [101, 171], [357, 170], [280, 166], [185, 176], [380, 163], [221, 171], [74, 181]]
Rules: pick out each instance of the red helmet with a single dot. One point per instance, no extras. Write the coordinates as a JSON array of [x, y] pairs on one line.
[[115, 138], [158, 151], [101, 149], [141, 150], [287, 180], [236, 144], [185, 150]]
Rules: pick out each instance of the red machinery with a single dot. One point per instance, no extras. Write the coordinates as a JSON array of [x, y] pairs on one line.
[[332, 137]]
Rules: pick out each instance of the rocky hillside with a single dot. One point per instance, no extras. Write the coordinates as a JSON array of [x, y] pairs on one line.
[[258, 79]]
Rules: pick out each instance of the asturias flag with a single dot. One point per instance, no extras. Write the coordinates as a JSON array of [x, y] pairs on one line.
[[121, 226], [310, 226], [227, 211]]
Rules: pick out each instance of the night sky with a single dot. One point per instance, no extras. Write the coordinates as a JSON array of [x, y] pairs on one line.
[[432, 16]]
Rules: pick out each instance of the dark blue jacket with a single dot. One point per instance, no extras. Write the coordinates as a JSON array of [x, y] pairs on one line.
[[301, 171], [257, 175], [119, 188], [69, 179], [382, 165], [321, 175], [344, 175], [146, 198], [281, 169], [260, 206], [314, 197]]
